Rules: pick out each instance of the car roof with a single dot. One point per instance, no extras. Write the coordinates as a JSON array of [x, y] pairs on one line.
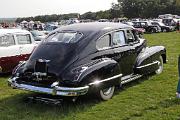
[[94, 27], [12, 31]]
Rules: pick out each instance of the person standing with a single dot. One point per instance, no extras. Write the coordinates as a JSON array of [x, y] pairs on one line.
[[178, 26]]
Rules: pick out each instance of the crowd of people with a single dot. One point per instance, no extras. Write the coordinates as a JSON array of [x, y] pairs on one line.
[[8, 25]]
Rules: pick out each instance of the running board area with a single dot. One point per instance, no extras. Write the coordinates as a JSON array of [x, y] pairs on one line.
[[134, 77]]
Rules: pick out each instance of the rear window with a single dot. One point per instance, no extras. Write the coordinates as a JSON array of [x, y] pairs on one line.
[[23, 39], [64, 37], [7, 40]]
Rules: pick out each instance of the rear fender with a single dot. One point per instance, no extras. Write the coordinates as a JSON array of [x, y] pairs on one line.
[[103, 74], [147, 60]]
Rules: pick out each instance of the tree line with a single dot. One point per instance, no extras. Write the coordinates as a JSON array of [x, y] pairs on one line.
[[124, 8], [149, 8]]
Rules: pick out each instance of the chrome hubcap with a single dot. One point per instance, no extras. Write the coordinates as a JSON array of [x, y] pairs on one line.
[[107, 91], [160, 64]]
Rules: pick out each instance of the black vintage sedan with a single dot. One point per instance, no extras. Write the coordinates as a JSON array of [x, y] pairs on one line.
[[149, 28], [88, 57]]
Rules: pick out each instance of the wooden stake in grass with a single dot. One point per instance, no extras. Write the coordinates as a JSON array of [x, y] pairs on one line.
[[178, 87]]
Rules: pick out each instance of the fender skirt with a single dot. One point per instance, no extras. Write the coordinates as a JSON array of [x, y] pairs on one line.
[[148, 60], [108, 68]]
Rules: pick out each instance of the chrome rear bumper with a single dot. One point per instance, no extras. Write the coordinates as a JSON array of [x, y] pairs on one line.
[[56, 90]]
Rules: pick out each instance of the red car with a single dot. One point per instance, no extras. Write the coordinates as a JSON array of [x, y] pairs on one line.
[[15, 45]]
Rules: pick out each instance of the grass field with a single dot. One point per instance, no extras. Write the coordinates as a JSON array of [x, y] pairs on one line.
[[150, 98]]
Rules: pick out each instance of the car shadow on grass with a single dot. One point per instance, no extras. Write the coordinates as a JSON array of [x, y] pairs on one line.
[[133, 83], [17, 106]]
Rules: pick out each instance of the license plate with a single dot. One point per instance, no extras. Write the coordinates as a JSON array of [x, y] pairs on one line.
[[40, 66]]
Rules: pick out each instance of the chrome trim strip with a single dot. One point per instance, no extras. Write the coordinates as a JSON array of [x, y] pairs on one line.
[[156, 62], [126, 77], [131, 79], [71, 89], [108, 79]]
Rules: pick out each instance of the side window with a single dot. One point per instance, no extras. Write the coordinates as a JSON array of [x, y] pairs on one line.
[[103, 42], [7, 40], [143, 24], [23, 39], [118, 38]]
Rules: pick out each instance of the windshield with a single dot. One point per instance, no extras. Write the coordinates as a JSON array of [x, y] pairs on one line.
[[64, 37]]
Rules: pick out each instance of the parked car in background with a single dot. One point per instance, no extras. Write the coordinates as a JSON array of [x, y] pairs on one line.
[[149, 28], [140, 31], [50, 27], [169, 21], [163, 27], [38, 35], [15, 45], [129, 23], [72, 21], [89, 57], [103, 20]]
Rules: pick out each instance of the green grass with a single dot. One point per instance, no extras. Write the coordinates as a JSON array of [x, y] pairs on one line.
[[152, 97]]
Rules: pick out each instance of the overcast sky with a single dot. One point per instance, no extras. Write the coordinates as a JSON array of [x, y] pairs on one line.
[[26, 8]]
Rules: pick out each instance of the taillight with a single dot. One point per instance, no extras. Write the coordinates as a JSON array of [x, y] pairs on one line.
[[21, 63]]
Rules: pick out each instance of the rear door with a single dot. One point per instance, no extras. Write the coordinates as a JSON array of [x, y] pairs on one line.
[[122, 52], [104, 48]]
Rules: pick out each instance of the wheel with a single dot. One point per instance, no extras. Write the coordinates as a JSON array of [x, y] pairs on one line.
[[164, 30], [160, 65], [107, 93], [153, 31]]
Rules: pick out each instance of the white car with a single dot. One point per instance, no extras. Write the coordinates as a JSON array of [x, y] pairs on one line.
[[15, 45]]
